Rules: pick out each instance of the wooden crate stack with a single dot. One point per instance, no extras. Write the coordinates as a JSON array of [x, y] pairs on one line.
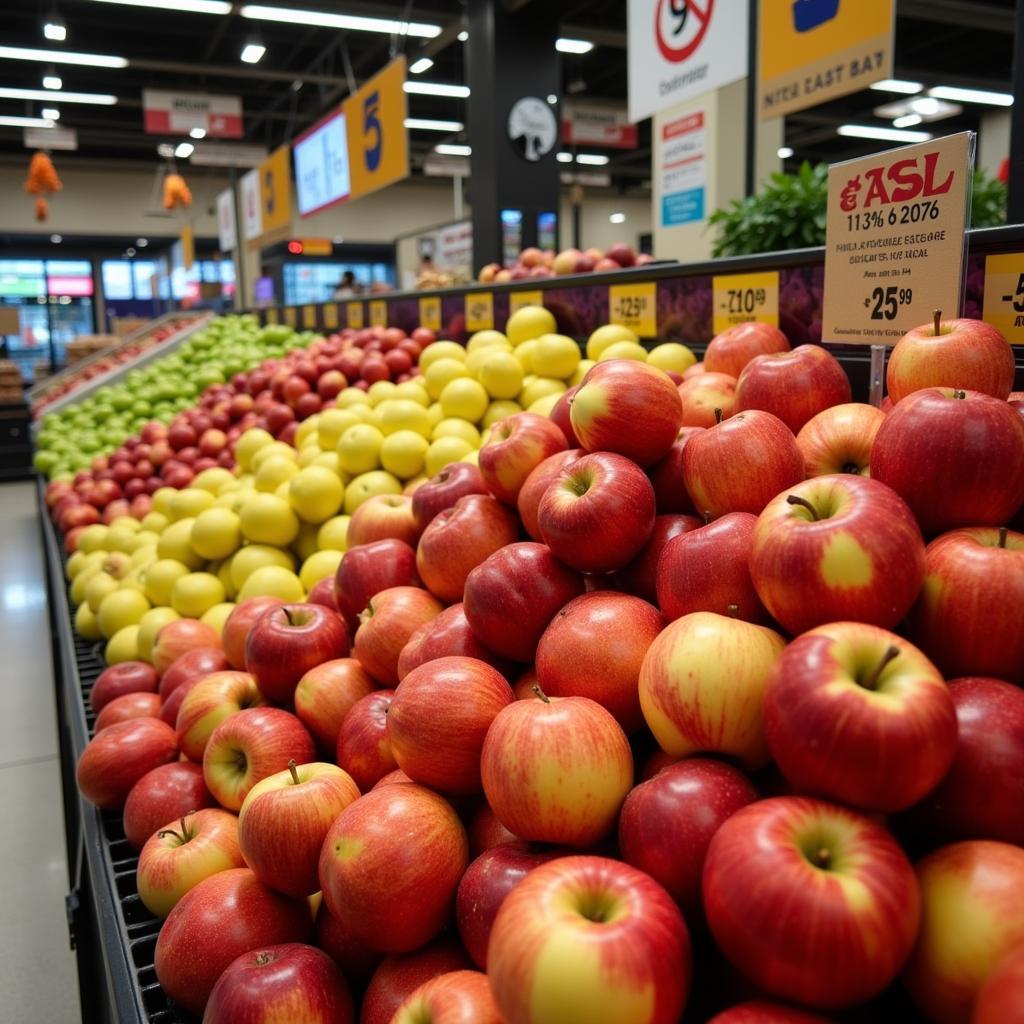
[[12, 386]]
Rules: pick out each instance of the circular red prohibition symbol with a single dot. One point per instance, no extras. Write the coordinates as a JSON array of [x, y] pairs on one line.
[[683, 12]]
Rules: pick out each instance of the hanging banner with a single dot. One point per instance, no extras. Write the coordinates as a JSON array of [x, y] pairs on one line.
[[378, 141], [811, 51], [276, 195], [177, 113], [188, 247], [227, 232], [679, 49], [597, 124], [251, 203]]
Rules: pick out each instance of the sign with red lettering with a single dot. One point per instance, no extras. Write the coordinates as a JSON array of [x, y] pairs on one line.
[[894, 246]]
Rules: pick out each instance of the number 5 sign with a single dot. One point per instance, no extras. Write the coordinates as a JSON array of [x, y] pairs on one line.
[[378, 148]]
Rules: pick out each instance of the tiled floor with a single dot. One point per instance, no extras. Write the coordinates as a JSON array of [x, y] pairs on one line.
[[38, 977]]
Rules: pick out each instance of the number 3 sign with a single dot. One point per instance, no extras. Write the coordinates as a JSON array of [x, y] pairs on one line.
[[378, 150]]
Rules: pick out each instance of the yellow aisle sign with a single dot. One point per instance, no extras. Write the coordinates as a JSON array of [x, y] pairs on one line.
[[378, 141], [354, 314], [430, 312], [276, 195], [634, 306], [745, 298], [479, 311], [517, 300]]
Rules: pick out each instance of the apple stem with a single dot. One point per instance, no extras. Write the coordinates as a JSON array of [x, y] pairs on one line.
[[872, 680], [186, 834], [262, 959], [937, 313], [1002, 537], [295, 774], [718, 416], [732, 610], [957, 393], [822, 857], [707, 516], [538, 692], [851, 467], [795, 499]]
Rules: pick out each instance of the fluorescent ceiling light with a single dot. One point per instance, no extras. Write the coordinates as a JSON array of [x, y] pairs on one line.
[[188, 6], [573, 45], [869, 131], [52, 82], [197, 133], [56, 31], [957, 95], [618, 218], [428, 124], [47, 95], [552, 98], [897, 85], [51, 113], [593, 159], [459, 92], [925, 105], [25, 122], [419, 66], [785, 152], [184, 150], [349, 22], [907, 121], [564, 158], [252, 53], [85, 60], [452, 149]]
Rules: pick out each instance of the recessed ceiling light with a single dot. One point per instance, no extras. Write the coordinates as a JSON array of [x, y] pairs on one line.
[[925, 105], [56, 239], [129, 252], [897, 85], [51, 113], [564, 158], [958, 95], [252, 53], [618, 218], [459, 92], [870, 131], [166, 150], [54, 30], [142, 242], [463, 36], [349, 22], [785, 152], [417, 67], [52, 82], [197, 133], [452, 149], [85, 60], [579, 46], [552, 98], [593, 159], [184, 150]]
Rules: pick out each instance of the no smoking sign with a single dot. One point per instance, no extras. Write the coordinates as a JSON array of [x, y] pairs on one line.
[[680, 26]]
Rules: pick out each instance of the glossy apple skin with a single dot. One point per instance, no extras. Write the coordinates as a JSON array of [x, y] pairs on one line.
[[240, 622], [707, 569], [762, 1012], [640, 577], [668, 822], [971, 895], [282, 824], [740, 464], [594, 648], [162, 795], [116, 680], [968, 616], [459, 997], [357, 962], [323, 593], [702, 684], [381, 517], [198, 662], [458, 539], [550, 963], [597, 513], [556, 770], [955, 461], [824, 937], [795, 385], [369, 569], [364, 750], [702, 394], [878, 748], [560, 415], [999, 999], [839, 440], [292, 981], [438, 719], [249, 746], [286, 642], [326, 694], [385, 625], [513, 448], [449, 635], [511, 597], [540, 478], [861, 560], [413, 838], [731, 350], [964, 354], [126, 707], [670, 494], [629, 408], [209, 702], [486, 831], [400, 974], [484, 886], [221, 918], [169, 867], [179, 636], [114, 760], [989, 760], [444, 489]]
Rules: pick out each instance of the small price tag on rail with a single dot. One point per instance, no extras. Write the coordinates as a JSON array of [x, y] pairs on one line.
[[1004, 295], [378, 313], [479, 311], [430, 312], [517, 300], [745, 298], [272, 317], [634, 306], [330, 316], [309, 317], [895, 246], [354, 315], [291, 316]]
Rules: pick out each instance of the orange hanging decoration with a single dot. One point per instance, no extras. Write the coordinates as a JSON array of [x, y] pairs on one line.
[[42, 210], [176, 192], [42, 176]]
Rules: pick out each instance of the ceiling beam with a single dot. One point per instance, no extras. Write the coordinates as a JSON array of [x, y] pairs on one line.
[[961, 13], [222, 71]]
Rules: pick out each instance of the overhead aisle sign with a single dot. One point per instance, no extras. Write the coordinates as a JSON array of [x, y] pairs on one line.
[[276, 195], [378, 141]]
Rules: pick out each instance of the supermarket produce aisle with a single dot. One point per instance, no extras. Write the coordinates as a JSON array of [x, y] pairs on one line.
[[37, 969]]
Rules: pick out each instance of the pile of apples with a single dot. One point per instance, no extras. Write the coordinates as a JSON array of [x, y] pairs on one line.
[[633, 712], [534, 262]]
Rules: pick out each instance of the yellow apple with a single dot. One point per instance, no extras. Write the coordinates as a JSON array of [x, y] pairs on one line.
[[403, 453], [162, 500], [196, 593], [359, 449], [268, 519], [538, 388], [366, 485], [305, 543], [92, 538], [413, 392], [98, 588], [332, 534], [155, 521], [272, 581], [160, 577], [188, 503], [445, 450], [671, 356], [307, 429], [274, 471], [216, 533], [333, 423], [440, 350], [442, 373], [123, 607], [123, 646], [149, 625], [524, 353], [543, 406], [256, 556], [581, 371], [218, 615], [249, 444], [144, 556], [607, 335], [501, 374], [315, 494], [213, 479], [85, 623], [309, 453], [379, 391], [486, 339], [498, 410], [555, 356], [350, 396], [329, 460], [403, 414], [454, 427], [176, 542], [465, 398], [270, 451], [624, 350], [319, 565], [79, 584], [529, 322]]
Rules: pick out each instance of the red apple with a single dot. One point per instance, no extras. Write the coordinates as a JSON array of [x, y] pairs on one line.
[[179, 636], [221, 918], [560, 415], [322, 593], [443, 489], [286, 982], [486, 831], [127, 707], [556, 769], [537, 483], [410, 836], [838, 440], [812, 902], [629, 408], [326, 694], [955, 457], [670, 494], [116, 680], [381, 517], [458, 539], [731, 350], [998, 1000], [239, 624], [115, 759], [364, 750], [165, 794], [620, 943], [740, 464], [967, 354], [286, 642], [513, 448], [357, 962], [389, 619], [707, 398], [367, 570], [761, 1011], [400, 974], [209, 702], [200, 661], [450, 999], [449, 635]]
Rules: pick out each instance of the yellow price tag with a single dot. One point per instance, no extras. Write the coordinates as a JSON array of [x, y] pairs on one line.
[[309, 317], [430, 312], [744, 299], [378, 313], [479, 311], [634, 306], [330, 316], [291, 316], [354, 314], [1004, 295], [517, 300], [272, 317]]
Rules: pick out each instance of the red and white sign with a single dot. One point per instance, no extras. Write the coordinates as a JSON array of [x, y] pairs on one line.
[[227, 231], [177, 113], [595, 124], [251, 201]]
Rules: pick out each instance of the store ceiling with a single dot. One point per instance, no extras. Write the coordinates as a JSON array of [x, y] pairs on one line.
[[951, 42]]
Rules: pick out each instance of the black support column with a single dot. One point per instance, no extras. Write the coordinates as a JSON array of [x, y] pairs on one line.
[[509, 57]]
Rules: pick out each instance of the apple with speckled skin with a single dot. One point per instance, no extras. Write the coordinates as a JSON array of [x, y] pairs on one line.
[[114, 760], [239, 623], [453, 998], [513, 448], [838, 440], [117, 680], [731, 350], [835, 549], [326, 694], [209, 702], [760, 1011], [999, 999], [400, 974], [540, 478], [447, 636], [163, 795]]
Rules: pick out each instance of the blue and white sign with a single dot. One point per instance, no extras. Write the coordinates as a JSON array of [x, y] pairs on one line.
[[683, 169]]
